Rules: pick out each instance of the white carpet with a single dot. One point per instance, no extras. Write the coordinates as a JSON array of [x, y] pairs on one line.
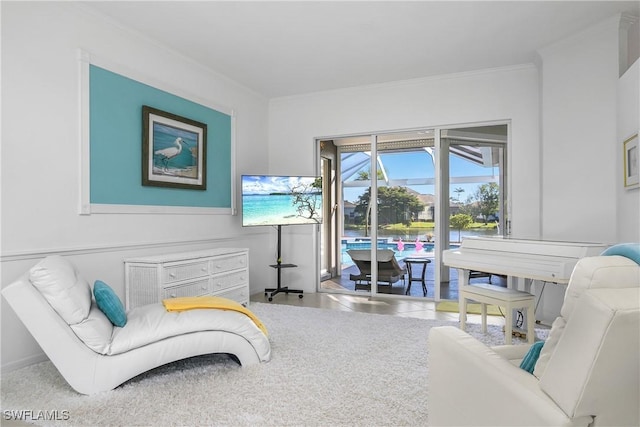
[[328, 368]]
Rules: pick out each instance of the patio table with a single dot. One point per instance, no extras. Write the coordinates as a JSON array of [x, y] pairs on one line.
[[409, 262]]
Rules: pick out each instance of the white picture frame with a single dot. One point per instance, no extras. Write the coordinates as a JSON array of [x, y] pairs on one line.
[[631, 159]]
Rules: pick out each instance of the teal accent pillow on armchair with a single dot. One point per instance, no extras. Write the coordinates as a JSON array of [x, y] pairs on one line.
[[109, 303], [530, 359], [629, 250]]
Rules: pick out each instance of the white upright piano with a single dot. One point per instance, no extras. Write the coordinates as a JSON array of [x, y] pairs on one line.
[[532, 260], [543, 260]]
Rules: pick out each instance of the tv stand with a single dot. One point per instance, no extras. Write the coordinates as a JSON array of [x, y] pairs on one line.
[[271, 292]]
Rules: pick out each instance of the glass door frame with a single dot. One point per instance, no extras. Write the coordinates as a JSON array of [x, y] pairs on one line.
[[443, 211], [373, 216], [441, 190]]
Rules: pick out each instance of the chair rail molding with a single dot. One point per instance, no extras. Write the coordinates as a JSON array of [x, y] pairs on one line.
[[11, 256]]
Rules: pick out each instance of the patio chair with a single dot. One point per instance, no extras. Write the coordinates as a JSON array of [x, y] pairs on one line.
[[389, 271]]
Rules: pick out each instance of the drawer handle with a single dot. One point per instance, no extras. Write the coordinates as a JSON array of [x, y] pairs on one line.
[[204, 288], [172, 295], [218, 266], [172, 275], [204, 269]]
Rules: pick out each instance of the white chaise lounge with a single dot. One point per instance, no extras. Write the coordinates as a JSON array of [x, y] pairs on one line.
[[93, 355]]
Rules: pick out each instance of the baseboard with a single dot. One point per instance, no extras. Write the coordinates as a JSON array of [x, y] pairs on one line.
[[24, 362]]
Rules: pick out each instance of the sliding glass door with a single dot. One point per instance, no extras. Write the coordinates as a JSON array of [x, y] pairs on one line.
[[328, 230], [473, 169], [396, 203]]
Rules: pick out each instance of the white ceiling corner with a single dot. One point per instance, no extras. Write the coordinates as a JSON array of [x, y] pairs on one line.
[[295, 47]]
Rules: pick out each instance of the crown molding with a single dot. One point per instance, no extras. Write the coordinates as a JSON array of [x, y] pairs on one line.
[[627, 20], [610, 24], [409, 82]]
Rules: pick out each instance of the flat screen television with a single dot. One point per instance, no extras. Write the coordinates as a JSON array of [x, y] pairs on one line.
[[281, 200]]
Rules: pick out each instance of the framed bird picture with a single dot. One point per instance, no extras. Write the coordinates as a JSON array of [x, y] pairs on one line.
[[631, 157], [174, 150]]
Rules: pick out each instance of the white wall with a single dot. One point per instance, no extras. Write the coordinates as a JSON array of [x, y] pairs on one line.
[[628, 201], [500, 94], [581, 153], [579, 142], [40, 154], [40, 140]]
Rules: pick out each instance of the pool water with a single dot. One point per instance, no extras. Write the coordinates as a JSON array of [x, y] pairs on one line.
[[408, 250]]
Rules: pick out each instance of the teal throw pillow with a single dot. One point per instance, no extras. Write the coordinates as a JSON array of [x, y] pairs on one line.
[[530, 359], [629, 250], [109, 303]]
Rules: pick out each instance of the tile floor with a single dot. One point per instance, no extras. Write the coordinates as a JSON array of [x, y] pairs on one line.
[[448, 290], [418, 308]]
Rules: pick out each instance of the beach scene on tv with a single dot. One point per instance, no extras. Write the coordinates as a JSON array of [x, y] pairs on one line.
[[281, 200]]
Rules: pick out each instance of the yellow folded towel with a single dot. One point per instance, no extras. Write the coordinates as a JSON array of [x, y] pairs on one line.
[[220, 303]]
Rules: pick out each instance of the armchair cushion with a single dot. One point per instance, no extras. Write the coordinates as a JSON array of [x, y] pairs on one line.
[[470, 384], [590, 273], [65, 291], [513, 353], [594, 368]]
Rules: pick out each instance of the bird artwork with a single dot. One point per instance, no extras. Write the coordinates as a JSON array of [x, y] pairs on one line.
[[419, 245], [169, 153]]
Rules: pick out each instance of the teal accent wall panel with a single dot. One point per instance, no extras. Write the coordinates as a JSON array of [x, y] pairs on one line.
[[116, 145]]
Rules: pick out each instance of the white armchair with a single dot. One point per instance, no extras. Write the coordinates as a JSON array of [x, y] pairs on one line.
[[588, 372]]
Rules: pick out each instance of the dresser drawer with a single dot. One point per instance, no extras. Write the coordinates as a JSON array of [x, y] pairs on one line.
[[231, 280], [222, 264], [192, 289], [240, 294], [216, 271], [179, 272]]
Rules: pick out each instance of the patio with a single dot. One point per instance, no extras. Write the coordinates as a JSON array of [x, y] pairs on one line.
[[448, 290]]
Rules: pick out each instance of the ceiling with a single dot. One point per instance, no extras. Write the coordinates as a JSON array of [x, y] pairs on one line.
[[295, 47]]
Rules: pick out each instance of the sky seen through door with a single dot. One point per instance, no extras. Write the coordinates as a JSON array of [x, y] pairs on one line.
[[419, 164]]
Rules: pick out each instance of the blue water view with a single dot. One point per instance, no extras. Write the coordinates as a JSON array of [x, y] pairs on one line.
[[408, 250], [273, 209]]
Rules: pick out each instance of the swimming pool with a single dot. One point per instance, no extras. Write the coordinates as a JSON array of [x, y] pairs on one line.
[[409, 248]]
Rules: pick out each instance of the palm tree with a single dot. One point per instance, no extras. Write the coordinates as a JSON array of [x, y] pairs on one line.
[[458, 191]]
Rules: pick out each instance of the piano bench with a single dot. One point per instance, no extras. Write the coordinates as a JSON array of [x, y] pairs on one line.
[[511, 299]]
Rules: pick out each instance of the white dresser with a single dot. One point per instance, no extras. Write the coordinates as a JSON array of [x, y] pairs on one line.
[[222, 272]]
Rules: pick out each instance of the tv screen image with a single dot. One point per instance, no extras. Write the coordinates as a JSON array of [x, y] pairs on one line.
[[281, 200]]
